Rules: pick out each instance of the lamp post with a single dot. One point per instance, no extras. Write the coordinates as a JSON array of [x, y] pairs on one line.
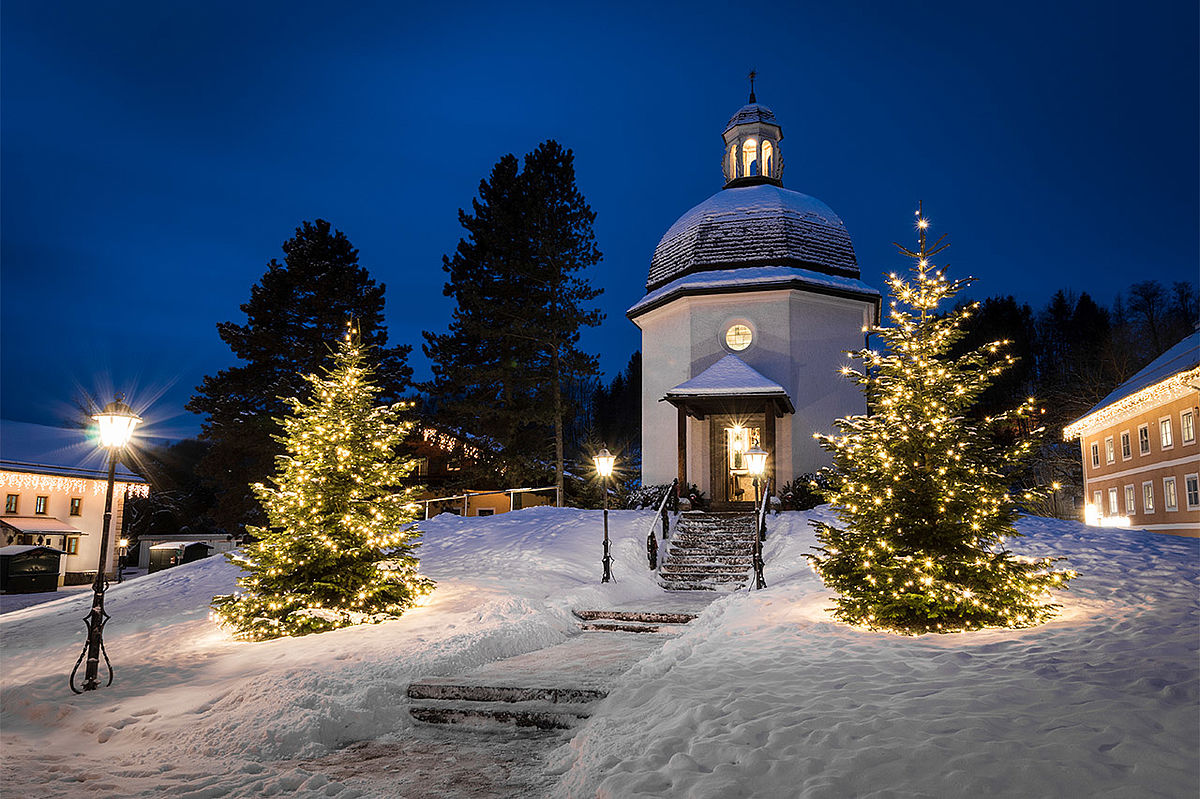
[[756, 463], [604, 467], [116, 423]]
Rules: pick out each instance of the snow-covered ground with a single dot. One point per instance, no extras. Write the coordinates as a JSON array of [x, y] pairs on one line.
[[762, 696]]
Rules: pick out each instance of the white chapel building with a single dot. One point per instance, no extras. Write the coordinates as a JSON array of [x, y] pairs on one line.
[[752, 301]]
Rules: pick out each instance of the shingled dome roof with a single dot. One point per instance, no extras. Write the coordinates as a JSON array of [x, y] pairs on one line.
[[761, 225], [752, 112]]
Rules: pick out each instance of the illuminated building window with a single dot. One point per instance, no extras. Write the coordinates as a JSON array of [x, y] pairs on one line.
[[738, 337], [1130, 500], [750, 157], [1109, 452], [1148, 497], [1164, 433], [1187, 427], [1098, 501], [768, 158], [39, 505], [1095, 455], [76, 503], [732, 161], [1144, 439], [1191, 485], [73, 545], [10, 503], [1170, 500], [1113, 510], [1126, 449]]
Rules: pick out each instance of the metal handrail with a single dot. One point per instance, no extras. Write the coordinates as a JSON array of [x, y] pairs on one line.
[[660, 516]]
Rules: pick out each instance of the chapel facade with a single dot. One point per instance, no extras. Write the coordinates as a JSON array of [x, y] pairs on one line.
[[752, 301]]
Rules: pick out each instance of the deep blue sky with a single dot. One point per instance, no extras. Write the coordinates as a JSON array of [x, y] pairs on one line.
[[155, 155]]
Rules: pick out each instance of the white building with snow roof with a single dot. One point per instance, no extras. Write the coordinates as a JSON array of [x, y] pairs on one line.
[[752, 300]]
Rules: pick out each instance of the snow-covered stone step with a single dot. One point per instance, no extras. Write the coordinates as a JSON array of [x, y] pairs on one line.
[[738, 560], [637, 615], [543, 716], [701, 568], [701, 586], [623, 626], [449, 689], [697, 576]]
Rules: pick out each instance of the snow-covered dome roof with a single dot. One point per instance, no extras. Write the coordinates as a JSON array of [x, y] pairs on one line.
[[752, 112], [758, 225]]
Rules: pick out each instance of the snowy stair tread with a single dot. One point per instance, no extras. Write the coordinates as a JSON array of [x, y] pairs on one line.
[[631, 621], [540, 715]]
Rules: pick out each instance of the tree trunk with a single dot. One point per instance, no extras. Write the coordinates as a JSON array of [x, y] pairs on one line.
[[558, 423]]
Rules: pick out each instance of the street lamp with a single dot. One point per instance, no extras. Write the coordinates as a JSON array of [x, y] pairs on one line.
[[604, 467], [116, 423], [756, 463]]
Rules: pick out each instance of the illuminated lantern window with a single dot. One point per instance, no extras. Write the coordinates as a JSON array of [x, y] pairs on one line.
[[738, 337], [768, 157], [750, 157]]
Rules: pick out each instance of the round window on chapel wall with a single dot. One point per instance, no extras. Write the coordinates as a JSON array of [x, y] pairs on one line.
[[738, 337]]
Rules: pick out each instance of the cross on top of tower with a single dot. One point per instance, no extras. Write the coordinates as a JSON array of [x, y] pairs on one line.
[[753, 75]]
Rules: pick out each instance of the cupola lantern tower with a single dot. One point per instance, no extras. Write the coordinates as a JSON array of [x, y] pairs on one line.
[[752, 145]]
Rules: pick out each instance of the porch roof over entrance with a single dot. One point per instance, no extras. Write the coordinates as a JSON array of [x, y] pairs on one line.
[[727, 380]]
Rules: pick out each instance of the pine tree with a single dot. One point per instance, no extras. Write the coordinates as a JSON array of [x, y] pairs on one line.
[[338, 549], [504, 368], [293, 312], [922, 493]]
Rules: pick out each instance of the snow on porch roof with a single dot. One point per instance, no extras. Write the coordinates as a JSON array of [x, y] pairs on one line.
[[39, 524], [727, 378]]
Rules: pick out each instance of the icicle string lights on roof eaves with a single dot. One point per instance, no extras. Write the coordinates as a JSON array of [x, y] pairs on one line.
[[1175, 387]]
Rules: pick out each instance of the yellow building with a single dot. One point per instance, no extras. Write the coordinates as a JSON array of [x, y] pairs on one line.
[[1141, 460]]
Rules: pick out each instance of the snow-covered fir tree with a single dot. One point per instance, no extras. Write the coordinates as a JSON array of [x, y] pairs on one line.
[[922, 493], [338, 548]]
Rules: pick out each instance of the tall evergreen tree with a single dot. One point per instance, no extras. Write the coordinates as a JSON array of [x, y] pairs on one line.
[[560, 226], [922, 492], [505, 368], [294, 310], [335, 550]]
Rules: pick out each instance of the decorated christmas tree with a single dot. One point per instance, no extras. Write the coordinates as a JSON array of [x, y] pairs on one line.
[[924, 495], [339, 547]]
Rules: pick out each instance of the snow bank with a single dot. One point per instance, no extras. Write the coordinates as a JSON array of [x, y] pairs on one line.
[[194, 712], [762, 696], [767, 696]]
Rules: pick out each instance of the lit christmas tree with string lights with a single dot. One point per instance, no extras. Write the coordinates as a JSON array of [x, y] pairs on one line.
[[923, 494], [339, 546]]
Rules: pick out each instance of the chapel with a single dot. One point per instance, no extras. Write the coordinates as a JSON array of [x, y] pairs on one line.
[[752, 301]]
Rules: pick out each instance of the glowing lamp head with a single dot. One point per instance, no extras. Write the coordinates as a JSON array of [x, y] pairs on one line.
[[123, 543], [116, 423], [604, 463], [756, 461]]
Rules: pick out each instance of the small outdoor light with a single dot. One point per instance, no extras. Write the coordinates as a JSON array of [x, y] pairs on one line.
[[756, 463], [604, 468], [122, 549], [116, 423]]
